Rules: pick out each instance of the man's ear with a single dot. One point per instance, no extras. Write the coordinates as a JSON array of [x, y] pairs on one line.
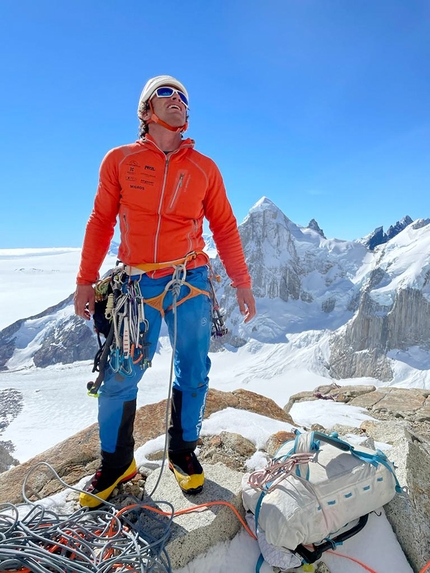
[[145, 115]]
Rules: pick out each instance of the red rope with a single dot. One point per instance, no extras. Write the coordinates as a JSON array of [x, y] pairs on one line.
[[425, 568], [366, 567]]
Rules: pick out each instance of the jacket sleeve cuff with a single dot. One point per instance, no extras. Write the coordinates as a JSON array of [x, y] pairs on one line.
[[80, 281], [241, 284]]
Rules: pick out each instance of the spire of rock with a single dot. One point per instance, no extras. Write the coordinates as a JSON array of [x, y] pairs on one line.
[[398, 227], [315, 227], [378, 237]]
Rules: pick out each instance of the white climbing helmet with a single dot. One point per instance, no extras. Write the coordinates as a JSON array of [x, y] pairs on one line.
[[154, 83]]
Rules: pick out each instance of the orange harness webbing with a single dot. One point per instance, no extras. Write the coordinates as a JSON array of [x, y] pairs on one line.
[[157, 301], [148, 267]]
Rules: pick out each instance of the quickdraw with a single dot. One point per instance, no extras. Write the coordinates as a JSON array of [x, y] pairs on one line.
[[219, 328], [120, 315]]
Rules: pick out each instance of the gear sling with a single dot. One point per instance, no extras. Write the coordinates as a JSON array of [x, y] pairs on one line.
[[129, 310]]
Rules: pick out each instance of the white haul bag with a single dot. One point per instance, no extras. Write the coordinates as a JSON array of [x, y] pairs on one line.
[[313, 488]]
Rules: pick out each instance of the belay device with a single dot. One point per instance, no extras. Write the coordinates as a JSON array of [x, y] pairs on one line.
[[317, 490]]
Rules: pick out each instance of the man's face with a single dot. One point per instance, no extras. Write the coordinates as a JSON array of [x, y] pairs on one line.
[[171, 109]]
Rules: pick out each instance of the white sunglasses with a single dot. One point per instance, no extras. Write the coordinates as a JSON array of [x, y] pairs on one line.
[[167, 91]]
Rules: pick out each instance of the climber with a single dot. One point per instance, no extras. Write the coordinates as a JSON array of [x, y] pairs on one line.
[[160, 189]]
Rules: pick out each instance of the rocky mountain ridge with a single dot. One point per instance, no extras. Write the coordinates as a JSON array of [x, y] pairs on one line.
[[379, 237], [53, 336]]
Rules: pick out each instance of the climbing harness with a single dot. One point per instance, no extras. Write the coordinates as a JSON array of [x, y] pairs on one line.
[[178, 280], [120, 314], [179, 276]]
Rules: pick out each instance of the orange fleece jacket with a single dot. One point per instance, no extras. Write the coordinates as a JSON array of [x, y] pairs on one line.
[[160, 200]]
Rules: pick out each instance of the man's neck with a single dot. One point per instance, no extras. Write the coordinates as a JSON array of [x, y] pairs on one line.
[[166, 140]]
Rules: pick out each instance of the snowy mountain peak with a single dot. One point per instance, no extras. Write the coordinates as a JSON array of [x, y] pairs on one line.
[[265, 204]]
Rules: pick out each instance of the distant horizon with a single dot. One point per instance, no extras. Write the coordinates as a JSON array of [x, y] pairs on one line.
[[206, 231]]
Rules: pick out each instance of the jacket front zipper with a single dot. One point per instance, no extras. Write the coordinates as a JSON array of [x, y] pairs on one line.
[[157, 232], [163, 189]]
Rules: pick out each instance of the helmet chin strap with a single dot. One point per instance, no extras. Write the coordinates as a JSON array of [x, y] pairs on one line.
[[155, 119]]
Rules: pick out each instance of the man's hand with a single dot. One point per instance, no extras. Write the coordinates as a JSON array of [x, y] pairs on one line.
[[246, 302], [84, 301]]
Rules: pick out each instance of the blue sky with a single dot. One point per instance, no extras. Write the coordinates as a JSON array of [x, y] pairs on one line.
[[323, 106]]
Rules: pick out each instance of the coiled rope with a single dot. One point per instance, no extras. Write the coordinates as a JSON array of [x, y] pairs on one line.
[[131, 539], [84, 542], [34, 539]]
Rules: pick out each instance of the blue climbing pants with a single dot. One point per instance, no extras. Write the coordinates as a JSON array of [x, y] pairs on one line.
[[118, 392]]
